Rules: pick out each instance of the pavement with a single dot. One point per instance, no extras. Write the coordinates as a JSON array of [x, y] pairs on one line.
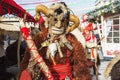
[[101, 71]]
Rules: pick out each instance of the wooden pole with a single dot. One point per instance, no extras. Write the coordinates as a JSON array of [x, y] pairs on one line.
[[18, 50], [19, 43], [35, 54], [96, 66]]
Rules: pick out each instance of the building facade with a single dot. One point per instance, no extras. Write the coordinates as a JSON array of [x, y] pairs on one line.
[[108, 13]]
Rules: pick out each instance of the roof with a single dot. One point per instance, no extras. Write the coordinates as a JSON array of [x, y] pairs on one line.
[[11, 7], [112, 8]]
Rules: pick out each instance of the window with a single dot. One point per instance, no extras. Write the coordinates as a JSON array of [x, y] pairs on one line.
[[113, 30]]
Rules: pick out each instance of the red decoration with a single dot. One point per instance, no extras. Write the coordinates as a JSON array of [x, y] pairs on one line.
[[41, 20], [89, 26], [88, 38], [25, 32]]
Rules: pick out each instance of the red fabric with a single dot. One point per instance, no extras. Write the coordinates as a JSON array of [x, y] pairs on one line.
[[89, 26], [41, 20], [51, 78], [9, 11], [60, 71], [25, 75], [88, 38], [25, 31], [2, 11]]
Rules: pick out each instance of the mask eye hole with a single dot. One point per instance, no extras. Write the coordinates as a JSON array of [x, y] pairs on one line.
[[62, 20], [55, 19]]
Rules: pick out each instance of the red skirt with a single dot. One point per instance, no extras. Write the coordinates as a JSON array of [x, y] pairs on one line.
[[61, 71], [25, 75]]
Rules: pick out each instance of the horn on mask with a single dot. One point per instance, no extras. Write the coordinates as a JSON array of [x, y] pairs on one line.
[[75, 24], [39, 9]]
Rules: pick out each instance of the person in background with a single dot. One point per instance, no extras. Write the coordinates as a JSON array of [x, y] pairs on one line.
[[3, 74], [8, 39], [87, 29]]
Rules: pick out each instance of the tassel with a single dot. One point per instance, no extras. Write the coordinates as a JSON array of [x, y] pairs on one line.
[[92, 54], [59, 50]]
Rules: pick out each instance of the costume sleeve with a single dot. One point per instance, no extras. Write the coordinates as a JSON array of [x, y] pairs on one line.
[[25, 60], [79, 60], [38, 39]]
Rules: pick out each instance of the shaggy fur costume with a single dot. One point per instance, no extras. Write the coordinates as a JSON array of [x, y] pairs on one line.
[[76, 58], [115, 72]]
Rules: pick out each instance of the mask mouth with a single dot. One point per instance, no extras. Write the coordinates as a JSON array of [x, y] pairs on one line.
[[57, 30]]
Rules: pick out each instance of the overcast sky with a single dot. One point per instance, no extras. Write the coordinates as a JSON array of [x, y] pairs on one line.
[[79, 7]]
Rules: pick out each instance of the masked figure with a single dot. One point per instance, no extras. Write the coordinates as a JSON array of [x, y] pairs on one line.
[[61, 51]]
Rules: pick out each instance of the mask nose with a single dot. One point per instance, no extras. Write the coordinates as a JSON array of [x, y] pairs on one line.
[[58, 24]]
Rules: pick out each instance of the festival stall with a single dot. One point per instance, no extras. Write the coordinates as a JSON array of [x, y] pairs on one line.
[[108, 21], [111, 30], [11, 7]]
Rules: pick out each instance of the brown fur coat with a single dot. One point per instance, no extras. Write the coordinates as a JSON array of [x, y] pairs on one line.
[[77, 57]]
